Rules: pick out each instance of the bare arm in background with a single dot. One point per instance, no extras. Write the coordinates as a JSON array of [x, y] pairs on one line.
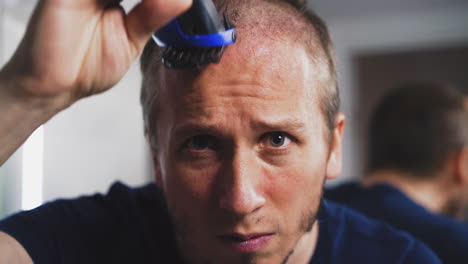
[[12, 252], [72, 49]]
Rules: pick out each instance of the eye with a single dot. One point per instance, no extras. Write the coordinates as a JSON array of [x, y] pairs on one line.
[[201, 142], [277, 139]]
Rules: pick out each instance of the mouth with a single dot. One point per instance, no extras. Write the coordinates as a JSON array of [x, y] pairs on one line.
[[246, 242]]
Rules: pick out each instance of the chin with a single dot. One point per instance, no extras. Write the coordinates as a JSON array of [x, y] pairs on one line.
[[274, 249]]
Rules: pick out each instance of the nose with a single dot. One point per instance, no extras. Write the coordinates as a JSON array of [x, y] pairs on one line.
[[242, 193]]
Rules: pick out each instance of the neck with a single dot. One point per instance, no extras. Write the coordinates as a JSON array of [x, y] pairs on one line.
[[305, 247], [427, 193]]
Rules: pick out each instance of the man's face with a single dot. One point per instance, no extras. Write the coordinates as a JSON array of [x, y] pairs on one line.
[[244, 153]]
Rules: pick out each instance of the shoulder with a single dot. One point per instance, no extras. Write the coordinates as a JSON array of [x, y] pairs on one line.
[[343, 191], [354, 235], [94, 227], [360, 226], [387, 203], [134, 197]]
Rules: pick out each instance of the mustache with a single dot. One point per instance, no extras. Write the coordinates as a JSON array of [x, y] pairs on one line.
[[227, 221], [184, 229]]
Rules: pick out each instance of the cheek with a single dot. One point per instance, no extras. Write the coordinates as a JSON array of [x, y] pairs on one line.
[[298, 186], [188, 186], [301, 179]]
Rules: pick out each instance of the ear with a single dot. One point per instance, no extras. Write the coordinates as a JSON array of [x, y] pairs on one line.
[[156, 164], [334, 157], [157, 170], [461, 167]]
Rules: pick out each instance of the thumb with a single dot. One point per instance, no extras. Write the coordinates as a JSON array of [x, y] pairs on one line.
[[148, 16]]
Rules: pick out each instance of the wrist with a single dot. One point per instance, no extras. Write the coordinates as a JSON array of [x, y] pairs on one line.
[[16, 91]]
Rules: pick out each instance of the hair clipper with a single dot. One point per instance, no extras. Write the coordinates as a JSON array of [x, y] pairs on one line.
[[195, 38]]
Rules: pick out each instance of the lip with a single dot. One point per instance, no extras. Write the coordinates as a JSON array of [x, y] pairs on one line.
[[246, 242]]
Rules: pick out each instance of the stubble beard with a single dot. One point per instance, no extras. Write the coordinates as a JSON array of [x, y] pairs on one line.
[[184, 231], [307, 223], [457, 208]]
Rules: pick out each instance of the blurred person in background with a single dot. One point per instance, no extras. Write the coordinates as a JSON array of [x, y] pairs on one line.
[[417, 177]]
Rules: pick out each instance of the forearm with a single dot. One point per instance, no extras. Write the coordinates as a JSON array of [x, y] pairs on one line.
[[20, 115]]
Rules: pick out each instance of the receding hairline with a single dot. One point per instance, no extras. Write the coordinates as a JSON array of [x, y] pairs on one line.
[[275, 19]]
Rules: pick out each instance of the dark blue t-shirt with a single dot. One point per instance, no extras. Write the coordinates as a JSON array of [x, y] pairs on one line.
[[132, 226], [446, 237]]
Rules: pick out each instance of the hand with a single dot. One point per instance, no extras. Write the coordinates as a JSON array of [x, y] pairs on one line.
[[77, 48], [72, 49]]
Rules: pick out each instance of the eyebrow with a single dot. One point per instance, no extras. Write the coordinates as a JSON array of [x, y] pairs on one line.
[[282, 125], [193, 127], [259, 125]]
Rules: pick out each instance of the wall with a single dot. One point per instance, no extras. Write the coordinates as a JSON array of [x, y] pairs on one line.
[[10, 180], [95, 142], [419, 29]]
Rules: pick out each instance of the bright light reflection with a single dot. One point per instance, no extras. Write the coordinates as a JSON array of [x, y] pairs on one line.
[[33, 165]]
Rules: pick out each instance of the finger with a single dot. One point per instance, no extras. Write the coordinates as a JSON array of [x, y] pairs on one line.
[[149, 15]]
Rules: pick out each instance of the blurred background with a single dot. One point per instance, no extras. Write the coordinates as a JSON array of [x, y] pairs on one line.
[[99, 140]]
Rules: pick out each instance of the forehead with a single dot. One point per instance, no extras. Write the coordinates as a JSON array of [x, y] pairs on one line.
[[265, 68]]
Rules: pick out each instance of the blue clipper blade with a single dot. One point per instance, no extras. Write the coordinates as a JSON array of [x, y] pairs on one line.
[[195, 38]]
